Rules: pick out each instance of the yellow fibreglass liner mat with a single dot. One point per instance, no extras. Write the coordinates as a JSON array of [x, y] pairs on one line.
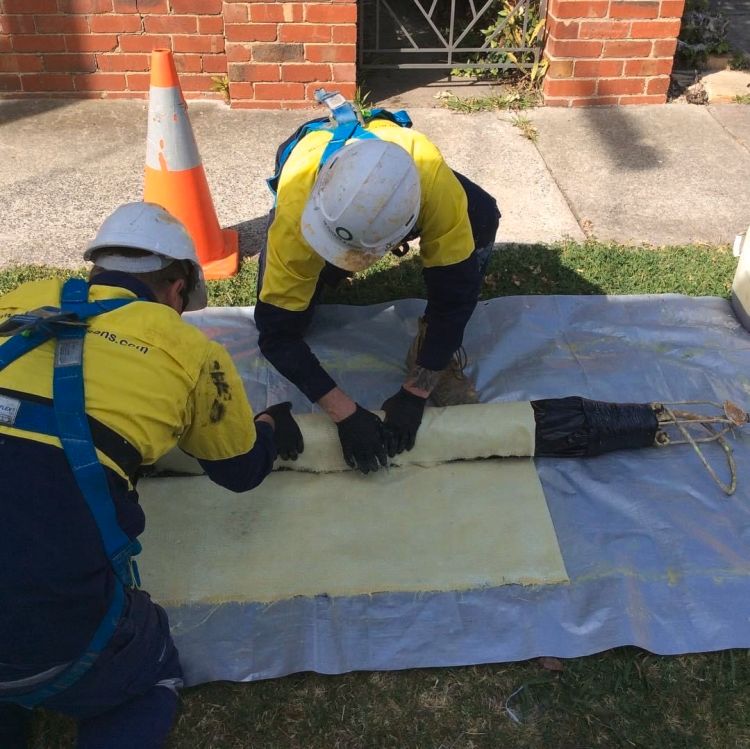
[[430, 526]]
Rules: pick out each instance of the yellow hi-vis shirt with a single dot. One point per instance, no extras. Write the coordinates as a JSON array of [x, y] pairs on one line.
[[292, 266], [151, 377]]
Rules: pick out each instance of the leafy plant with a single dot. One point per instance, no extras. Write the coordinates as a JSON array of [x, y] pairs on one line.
[[361, 102], [515, 27], [742, 99], [739, 61], [220, 84], [703, 33]]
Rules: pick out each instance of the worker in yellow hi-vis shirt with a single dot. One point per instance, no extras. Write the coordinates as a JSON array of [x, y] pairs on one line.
[[348, 191], [98, 378]]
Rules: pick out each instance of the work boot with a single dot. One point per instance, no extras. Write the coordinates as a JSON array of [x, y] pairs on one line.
[[454, 387]]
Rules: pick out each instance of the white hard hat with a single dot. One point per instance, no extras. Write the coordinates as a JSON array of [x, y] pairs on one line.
[[364, 202], [147, 227]]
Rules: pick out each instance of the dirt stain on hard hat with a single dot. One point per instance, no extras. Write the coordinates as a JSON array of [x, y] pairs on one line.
[[356, 260]]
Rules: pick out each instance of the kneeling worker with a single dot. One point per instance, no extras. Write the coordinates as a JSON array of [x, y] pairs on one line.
[[97, 379], [347, 193]]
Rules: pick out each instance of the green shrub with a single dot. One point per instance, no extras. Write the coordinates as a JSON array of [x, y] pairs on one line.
[[506, 33]]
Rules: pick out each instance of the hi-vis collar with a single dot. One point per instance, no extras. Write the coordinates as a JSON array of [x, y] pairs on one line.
[[344, 121]]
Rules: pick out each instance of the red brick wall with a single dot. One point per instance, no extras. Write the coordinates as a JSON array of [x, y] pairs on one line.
[[280, 52], [275, 53], [610, 51]]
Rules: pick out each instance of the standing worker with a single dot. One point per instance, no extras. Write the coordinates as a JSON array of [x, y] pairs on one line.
[[348, 191], [97, 379]]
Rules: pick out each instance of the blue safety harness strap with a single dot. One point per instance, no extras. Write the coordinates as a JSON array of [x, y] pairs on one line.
[[75, 435], [16, 346], [37, 414], [345, 127], [341, 135]]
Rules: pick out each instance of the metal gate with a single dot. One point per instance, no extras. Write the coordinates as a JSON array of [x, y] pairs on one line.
[[448, 34]]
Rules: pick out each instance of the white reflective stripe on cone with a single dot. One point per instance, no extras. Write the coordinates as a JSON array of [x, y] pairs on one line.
[[170, 143]]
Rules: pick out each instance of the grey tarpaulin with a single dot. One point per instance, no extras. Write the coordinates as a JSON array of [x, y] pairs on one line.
[[657, 556]]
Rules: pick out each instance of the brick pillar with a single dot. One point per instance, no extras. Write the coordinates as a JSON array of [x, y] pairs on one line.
[[280, 52], [610, 51]]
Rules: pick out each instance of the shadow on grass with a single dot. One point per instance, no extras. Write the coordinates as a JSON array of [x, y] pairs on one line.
[[514, 269], [568, 267]]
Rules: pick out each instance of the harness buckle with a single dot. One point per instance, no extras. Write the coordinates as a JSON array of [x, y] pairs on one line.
[[27, 323], [340, 110], [125, 566]]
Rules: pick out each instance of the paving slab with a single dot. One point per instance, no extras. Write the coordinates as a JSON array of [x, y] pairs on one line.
[[60, 172], [723, 86], [735, 118], [490, 151], [64, 165], [412, 88], [662, 175]]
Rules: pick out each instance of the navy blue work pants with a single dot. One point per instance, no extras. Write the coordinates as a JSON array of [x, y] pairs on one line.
[[129, 696]]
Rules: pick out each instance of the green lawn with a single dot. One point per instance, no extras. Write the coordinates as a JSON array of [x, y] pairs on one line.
[[621, 698], [563, 268]]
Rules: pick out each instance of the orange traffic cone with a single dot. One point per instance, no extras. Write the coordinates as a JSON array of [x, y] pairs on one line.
[[175, 178]]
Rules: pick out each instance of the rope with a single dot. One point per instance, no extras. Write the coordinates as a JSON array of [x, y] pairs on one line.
[[717, 426]]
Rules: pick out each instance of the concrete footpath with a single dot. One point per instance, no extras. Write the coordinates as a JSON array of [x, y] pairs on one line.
[[661, 175]]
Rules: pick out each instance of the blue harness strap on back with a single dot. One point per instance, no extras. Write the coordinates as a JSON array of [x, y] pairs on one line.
[[75, 434], [345, 126], [44, 329], [72, 427], [341, 135]]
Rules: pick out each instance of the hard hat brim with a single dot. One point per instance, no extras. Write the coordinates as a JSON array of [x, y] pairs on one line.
[[111, 260]]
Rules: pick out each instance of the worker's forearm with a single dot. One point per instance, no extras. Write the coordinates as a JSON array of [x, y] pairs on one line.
[[421, 381], [245, 472], [281, 341], [337, 404], [294, 360], [266, 419]]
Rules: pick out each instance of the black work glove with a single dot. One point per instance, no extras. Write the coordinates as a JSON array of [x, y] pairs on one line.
[[403, 415], [362, 440], [286, 433]]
